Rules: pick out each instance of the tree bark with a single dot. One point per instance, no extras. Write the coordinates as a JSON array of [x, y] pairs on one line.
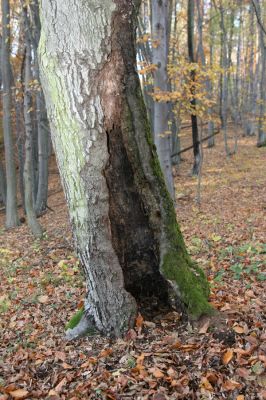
[[262, 107], [12, 219], [42, 120], [162, 139], [122, 216], [194, 120], [33, 223], [2, 184]]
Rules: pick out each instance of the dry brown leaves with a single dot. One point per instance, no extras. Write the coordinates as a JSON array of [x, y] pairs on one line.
[[161, 359]]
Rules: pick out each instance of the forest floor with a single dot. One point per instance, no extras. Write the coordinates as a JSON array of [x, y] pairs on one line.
[[41, 288]]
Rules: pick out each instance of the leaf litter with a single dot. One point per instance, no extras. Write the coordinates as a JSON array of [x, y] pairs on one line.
[[216, 358]]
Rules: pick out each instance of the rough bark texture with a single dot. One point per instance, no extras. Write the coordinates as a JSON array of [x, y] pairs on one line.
[[123, 218]]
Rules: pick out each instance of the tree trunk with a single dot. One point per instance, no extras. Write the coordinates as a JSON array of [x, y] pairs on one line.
[[11, 195], [2, 184], [262, 42], [42, 120], [194, 121], [28, 165], [162, 138], [122, 216]]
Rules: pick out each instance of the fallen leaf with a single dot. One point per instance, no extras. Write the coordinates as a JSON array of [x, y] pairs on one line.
[[238, 329], [227, 357], [139, 321], [240, 397], [243, 372], [261, 379], [19, 393], [206, 384], [157, 373], [204, 328], [231, 385], [60, 385], [149, 324], [43, 299], [105, 353]]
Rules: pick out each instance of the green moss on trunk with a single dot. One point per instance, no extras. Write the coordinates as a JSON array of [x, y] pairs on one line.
[[177, 265], [73, 322]]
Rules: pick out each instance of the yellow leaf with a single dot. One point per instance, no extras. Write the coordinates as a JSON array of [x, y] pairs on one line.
[[216, 238], [240, 397]]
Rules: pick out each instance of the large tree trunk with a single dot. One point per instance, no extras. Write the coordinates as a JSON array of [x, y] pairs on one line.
[[11, 195], [122, 216]]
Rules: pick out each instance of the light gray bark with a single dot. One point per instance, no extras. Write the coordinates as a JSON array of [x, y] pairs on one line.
[[123, 219], [12, 219], [163, 141]]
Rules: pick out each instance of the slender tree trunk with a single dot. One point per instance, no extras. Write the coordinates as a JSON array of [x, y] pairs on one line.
[[2, 184], [237, 80], [28, 165], [224, 80], [194, 121], [162, 139], [211, 140], [11, 195], [42, 120], [250, 100], [122, 216]]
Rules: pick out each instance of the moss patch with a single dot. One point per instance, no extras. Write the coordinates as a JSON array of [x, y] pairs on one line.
[[74, 321], [177, 265]]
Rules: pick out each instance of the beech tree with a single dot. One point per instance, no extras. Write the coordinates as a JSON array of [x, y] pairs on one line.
[[122, 216]]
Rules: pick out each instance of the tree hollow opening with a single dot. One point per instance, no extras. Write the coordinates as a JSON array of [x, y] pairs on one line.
[[132, 236]]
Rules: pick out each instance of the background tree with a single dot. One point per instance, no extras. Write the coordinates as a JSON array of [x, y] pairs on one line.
[[28, 165], [160, 52], [11, 196]]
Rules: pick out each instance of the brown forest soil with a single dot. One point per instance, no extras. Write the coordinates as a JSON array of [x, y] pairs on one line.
[[41, 287]]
